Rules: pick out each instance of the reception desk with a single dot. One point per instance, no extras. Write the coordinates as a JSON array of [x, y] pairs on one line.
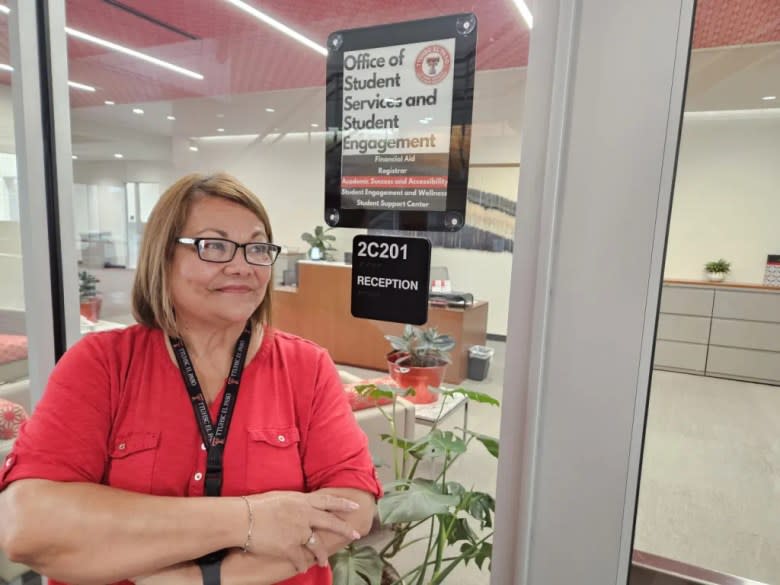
[[319, 309]]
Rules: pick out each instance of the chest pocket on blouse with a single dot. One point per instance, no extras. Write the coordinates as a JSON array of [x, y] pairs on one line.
[[131, 461], [273, 460]]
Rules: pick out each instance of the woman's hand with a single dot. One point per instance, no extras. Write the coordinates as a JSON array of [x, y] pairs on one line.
[[285, 524]]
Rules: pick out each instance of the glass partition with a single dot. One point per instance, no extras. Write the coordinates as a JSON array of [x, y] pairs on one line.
[[709, 487], [13, 340], [216, 88]]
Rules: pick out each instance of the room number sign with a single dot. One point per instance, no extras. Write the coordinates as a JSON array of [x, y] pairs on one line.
[[390, 278]]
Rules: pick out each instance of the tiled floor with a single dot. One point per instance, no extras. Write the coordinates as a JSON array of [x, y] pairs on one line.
[[710, 489]]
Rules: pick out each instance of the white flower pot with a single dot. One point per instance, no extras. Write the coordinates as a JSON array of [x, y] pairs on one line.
[[716, 276]]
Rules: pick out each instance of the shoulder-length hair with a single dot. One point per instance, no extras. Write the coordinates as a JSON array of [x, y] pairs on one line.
[[152, 302]]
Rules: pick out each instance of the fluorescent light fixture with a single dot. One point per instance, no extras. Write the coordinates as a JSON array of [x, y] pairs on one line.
[[424, 120], [132, 52], [82, 86], [73, 84], [229, 138], [74, 156], [769, 98], [270, 110], [108, 103], [750, 114], [315, 125], [220, 129], [194, 148], [170, 117], [118, 155], [525, 13], [5, 9], [138, 111], [278, 26]]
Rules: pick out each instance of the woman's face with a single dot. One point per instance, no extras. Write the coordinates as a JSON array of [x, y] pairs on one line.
[[211, 293]]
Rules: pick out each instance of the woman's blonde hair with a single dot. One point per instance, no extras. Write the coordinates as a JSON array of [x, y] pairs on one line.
[[152, 303]]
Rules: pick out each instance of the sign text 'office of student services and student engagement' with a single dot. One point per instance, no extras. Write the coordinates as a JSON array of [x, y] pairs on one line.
[[399, 100]]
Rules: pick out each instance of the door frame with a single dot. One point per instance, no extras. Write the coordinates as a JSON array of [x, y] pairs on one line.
[[603, 112]]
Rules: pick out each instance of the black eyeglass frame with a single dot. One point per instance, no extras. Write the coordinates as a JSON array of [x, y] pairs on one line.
[[196, 242]]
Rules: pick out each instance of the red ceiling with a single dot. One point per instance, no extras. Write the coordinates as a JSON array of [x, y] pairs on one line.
[[238, 54]]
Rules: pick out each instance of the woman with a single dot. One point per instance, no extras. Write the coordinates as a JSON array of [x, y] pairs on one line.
[[100, 485]]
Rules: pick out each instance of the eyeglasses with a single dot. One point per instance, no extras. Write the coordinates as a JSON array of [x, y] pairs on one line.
[[223, 251]]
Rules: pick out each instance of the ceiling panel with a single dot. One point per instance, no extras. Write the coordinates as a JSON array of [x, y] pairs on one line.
[[238, 54]]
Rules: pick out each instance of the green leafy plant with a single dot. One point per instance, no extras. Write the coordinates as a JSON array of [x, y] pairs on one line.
[[424, 347], [321, 240], [87, 286], [458, 521], [718, 266]]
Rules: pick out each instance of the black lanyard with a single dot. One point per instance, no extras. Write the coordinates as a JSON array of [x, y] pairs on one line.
[[213, 438]]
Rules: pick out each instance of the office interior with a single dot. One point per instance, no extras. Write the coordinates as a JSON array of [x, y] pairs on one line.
[[708, 504]]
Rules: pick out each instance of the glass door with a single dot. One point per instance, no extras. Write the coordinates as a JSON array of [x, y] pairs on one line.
[[569, 285]]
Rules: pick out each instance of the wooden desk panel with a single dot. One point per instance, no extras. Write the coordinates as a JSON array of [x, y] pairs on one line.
[[320, 311]]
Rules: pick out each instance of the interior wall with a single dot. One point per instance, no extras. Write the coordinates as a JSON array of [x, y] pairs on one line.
[[726, 200], [11, 285]]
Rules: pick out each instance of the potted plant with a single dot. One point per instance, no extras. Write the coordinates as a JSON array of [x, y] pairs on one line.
[[454, 522], [717, 270], [418, 360], [89, 299], [320, 242]]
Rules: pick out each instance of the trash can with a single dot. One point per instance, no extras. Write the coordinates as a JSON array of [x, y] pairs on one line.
[[479, 361]]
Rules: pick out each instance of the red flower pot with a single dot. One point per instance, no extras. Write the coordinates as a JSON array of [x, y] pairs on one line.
[[417, 377], [90, 308]]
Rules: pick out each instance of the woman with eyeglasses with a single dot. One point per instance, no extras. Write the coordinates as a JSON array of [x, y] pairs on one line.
[[200, 445]]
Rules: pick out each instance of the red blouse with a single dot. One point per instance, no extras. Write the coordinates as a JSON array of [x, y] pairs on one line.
[[115, 411]]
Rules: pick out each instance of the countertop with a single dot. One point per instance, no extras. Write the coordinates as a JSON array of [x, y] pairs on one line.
[[725, 284]]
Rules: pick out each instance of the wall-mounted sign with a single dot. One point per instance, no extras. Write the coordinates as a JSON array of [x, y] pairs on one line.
[[390, 278], [398, 113]]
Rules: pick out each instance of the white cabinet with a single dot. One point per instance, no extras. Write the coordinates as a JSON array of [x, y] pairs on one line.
[[720, 331]]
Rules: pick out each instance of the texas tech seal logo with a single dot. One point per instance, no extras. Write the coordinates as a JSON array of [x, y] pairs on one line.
[[432, 64]]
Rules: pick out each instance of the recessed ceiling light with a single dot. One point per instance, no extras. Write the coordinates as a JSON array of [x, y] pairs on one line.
[[74, 156], [315, 125], [171, 117], [769, 98], [278, 26], [132, 52], [108, 103], [138, 111], [220, 129], [194, 148], [81, 86], [270, 110], [118, 155]]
